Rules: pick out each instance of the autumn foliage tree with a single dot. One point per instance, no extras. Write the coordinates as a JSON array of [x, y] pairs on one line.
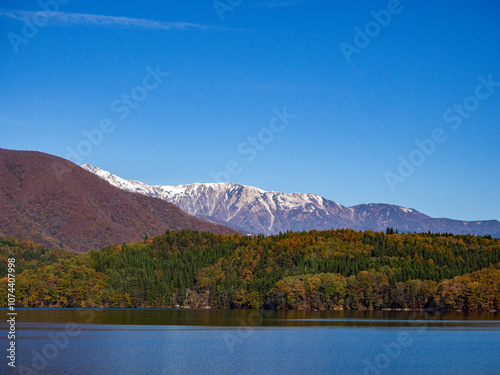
[[335, 269]]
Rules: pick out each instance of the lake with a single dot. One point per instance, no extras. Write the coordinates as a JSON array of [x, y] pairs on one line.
[[150, 341]]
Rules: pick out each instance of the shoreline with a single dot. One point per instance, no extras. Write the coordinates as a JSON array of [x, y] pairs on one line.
[[183, 308]]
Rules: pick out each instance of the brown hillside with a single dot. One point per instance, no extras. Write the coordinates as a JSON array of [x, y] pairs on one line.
[[56, 203]]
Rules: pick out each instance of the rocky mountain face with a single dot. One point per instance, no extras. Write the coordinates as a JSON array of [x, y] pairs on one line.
[[252, 210], [56, 203]]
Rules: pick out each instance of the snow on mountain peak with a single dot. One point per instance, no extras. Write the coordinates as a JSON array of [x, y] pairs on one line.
[[227, 202], [252, 210], [406, 210]]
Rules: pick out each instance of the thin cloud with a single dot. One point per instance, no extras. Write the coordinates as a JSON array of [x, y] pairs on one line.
[[62, 19]]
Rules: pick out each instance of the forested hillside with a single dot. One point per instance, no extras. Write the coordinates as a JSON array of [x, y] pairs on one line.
[[28, 254], [336, 269], [56, 203]]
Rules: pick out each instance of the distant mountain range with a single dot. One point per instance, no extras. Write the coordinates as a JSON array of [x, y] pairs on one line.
[[56, 203], [252, 210]]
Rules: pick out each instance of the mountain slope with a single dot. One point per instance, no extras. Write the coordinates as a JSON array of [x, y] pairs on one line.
[[56, 203], [252, 210]]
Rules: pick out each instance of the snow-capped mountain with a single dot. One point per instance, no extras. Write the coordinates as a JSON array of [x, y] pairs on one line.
[[252, 210]]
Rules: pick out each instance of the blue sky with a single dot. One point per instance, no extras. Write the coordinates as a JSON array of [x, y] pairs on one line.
[[357, 103]]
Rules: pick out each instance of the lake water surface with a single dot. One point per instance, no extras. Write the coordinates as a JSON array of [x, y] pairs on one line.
[[149, 341]]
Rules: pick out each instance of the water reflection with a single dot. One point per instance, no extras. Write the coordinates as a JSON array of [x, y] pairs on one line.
[[258, 318], [205, 342]]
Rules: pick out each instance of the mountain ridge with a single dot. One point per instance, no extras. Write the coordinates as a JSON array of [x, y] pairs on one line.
[[253, 210], [56, 203]]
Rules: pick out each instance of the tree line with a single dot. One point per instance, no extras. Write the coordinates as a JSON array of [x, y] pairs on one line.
[[335, 269]]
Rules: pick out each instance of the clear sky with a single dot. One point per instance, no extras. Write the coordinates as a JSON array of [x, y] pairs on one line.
[[362, 82]]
